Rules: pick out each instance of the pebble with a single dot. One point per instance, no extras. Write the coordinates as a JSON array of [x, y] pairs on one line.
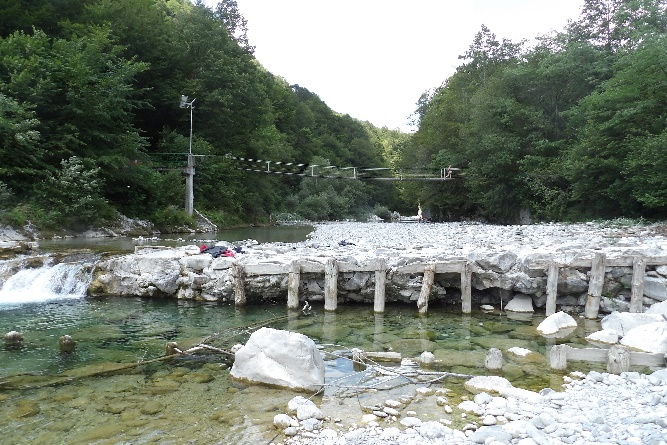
[[590, 414]]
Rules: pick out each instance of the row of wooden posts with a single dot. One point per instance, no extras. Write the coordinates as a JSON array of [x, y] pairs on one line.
[[331, 268]]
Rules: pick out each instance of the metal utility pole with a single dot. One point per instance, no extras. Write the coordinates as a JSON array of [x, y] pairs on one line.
[[189, 171]]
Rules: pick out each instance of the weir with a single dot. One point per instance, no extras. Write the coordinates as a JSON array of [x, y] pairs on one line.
[[21, 282], [332, 268]]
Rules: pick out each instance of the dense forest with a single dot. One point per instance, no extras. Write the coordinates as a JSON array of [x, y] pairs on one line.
[[571, 127]]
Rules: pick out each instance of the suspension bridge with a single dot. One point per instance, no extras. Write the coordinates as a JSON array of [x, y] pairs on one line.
[[176, 161]]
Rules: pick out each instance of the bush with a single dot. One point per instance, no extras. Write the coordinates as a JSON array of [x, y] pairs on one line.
[[173, 219], [382, 212]]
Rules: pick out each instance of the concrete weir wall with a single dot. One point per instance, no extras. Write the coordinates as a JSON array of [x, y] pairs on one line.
[[589, 282]]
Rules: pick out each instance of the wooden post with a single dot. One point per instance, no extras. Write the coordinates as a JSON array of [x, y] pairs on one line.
[[427, 284], [380, 282], [595, 284], [618, 359], [637, 290], [466, 288], [293, 283], [552, 287], [330, 285], [239, 284], [558, 357], [171, 348], [494, 359]]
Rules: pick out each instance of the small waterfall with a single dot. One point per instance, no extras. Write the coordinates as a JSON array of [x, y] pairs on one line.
[[48, 282]]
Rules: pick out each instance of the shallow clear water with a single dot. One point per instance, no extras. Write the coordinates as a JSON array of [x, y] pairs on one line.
[[47, 398]]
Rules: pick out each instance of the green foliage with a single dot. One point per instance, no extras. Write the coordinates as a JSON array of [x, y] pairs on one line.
[[382, 212], [73, 196], [172, 219], [573, 128]]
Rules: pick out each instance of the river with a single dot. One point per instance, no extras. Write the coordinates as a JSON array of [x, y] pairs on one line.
[[47, 397]]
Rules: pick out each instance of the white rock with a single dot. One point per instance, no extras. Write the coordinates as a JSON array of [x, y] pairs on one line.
[[650, 337], [307, 411], [608, 336], [427, 358], [487, 383], [281, 358], [366, 418], [410, 421], [555, 322], [521, 352], [489, 420], [282, 421], [658, 308], [295, 402], [432, 430], [622, 322], [520, 303]]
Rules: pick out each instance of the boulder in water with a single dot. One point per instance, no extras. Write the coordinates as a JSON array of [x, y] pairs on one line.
[[280, 358]]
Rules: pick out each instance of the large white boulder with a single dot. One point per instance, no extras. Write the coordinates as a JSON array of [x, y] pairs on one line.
[[555, 322], [651, 337], [623, 322], [280, 358]]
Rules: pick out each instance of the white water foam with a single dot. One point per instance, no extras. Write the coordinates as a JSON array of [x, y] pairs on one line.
[[61, 281]]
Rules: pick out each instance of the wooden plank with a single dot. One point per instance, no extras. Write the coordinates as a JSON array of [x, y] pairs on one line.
[[595, 285], [293, 282], [427, 284], [602, 356], [466, 288], [637, 286], [647, 359], [380, 285], [330, 285], [587, 354], [552, 288]]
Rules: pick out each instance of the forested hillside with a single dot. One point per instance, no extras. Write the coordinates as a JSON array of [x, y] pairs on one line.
[[90, 123], [569, 128]]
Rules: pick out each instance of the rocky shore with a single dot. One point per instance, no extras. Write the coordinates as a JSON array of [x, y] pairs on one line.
[[593, 409]]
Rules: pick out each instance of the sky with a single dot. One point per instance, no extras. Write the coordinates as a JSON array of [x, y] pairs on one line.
[[373, 59]]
